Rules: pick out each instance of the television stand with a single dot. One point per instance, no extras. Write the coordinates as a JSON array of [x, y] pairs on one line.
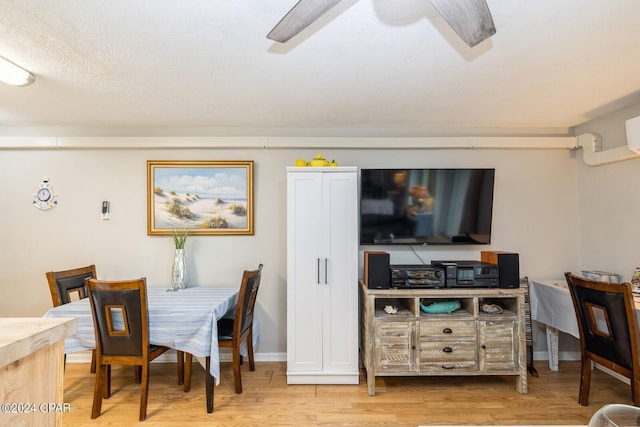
[[473, 340]]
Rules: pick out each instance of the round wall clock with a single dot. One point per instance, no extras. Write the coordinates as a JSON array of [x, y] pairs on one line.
[[45, 198]]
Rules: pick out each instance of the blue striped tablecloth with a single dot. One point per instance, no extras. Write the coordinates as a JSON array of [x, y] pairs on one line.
[[184, 320]]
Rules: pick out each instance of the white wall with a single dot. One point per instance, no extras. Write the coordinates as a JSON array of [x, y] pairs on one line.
[[534, 205], [535, 210], [609, 202], [609, 236]]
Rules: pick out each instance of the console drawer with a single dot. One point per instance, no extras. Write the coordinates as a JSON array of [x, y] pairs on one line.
[[443, 329], [447, 351], [449, 367]]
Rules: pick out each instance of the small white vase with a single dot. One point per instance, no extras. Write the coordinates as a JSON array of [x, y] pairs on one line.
[[179, 270]]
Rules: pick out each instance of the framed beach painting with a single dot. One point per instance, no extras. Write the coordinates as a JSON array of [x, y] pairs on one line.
[[205, 197]]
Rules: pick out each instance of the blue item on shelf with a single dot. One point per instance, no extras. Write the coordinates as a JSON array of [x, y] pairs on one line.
[[440, 307]]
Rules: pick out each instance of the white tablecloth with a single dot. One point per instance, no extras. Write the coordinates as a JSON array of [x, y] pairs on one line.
[[551, 305]]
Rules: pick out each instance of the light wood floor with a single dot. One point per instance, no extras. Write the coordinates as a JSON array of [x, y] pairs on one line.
[[268, 400]]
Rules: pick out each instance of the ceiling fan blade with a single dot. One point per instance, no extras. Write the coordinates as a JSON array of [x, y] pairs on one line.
[[303, 14], [470, 19]]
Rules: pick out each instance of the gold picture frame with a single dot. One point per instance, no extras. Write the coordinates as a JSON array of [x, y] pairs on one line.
[[204, 196]]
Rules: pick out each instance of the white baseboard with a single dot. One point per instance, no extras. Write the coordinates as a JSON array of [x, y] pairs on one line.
[[225, 356], [563, 355], [572, 355], [79, 357], [613, 374]]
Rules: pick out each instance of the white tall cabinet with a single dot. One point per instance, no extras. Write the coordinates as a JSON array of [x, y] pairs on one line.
[[322, 276]]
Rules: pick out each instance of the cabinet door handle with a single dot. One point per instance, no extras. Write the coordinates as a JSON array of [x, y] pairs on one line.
[[447, 350], [448, 367], [325, 271], [447, 331], [318, 269]]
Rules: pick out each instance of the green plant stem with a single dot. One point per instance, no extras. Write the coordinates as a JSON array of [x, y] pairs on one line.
[[180, 237]]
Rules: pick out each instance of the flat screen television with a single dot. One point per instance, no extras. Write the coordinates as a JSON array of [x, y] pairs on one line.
[[426, 206]]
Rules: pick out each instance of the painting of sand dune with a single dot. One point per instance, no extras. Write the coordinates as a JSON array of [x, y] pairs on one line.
[[207, 197]]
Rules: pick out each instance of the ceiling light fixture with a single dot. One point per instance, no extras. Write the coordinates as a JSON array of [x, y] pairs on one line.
[[14, 75]]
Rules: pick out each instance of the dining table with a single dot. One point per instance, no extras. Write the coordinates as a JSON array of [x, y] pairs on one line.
[[185, 320], [552, 306]]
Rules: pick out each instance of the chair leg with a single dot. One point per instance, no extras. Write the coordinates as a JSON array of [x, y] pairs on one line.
[[98, 391], [93, 361], [107, 380], [252, 365], [236, 369], [144, 391], [635, 391], [188, 363], [180, 363], [137, 371], [585, 382]]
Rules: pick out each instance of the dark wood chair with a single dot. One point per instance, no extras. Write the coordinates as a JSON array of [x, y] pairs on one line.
[[609, 331], [68, 285], [120, 317], [233, 332]]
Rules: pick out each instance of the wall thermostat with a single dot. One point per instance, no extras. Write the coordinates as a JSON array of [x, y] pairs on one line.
[[105, 210]]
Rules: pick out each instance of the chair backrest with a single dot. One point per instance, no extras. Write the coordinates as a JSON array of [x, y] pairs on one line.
[[119, 311], [63, 284], [607, 323], [246, 301]]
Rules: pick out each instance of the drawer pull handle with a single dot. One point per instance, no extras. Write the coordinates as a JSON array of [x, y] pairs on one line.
[[447, 331], [448, 367], [447, 350]]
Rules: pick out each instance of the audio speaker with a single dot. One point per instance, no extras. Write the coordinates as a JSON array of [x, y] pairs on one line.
[[377, 270], [508, 267]]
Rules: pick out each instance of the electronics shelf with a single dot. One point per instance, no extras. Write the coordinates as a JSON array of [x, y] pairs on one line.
[[485, 336]]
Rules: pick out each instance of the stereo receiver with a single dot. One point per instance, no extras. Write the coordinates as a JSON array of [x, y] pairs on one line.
[[469, 274], [417, 276]]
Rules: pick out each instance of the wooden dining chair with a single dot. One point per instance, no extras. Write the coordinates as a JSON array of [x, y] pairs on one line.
[[609, 331], [69, 285], [233, 332], [120, 317]]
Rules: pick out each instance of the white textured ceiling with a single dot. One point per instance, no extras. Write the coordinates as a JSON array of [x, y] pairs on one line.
[[368, 67]]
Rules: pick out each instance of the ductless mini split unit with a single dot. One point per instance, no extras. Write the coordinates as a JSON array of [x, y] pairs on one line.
[[633, 134], [594, 155]]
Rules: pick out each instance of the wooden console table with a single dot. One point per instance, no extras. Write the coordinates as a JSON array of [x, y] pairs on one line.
[[32, 369], [465, 342]]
